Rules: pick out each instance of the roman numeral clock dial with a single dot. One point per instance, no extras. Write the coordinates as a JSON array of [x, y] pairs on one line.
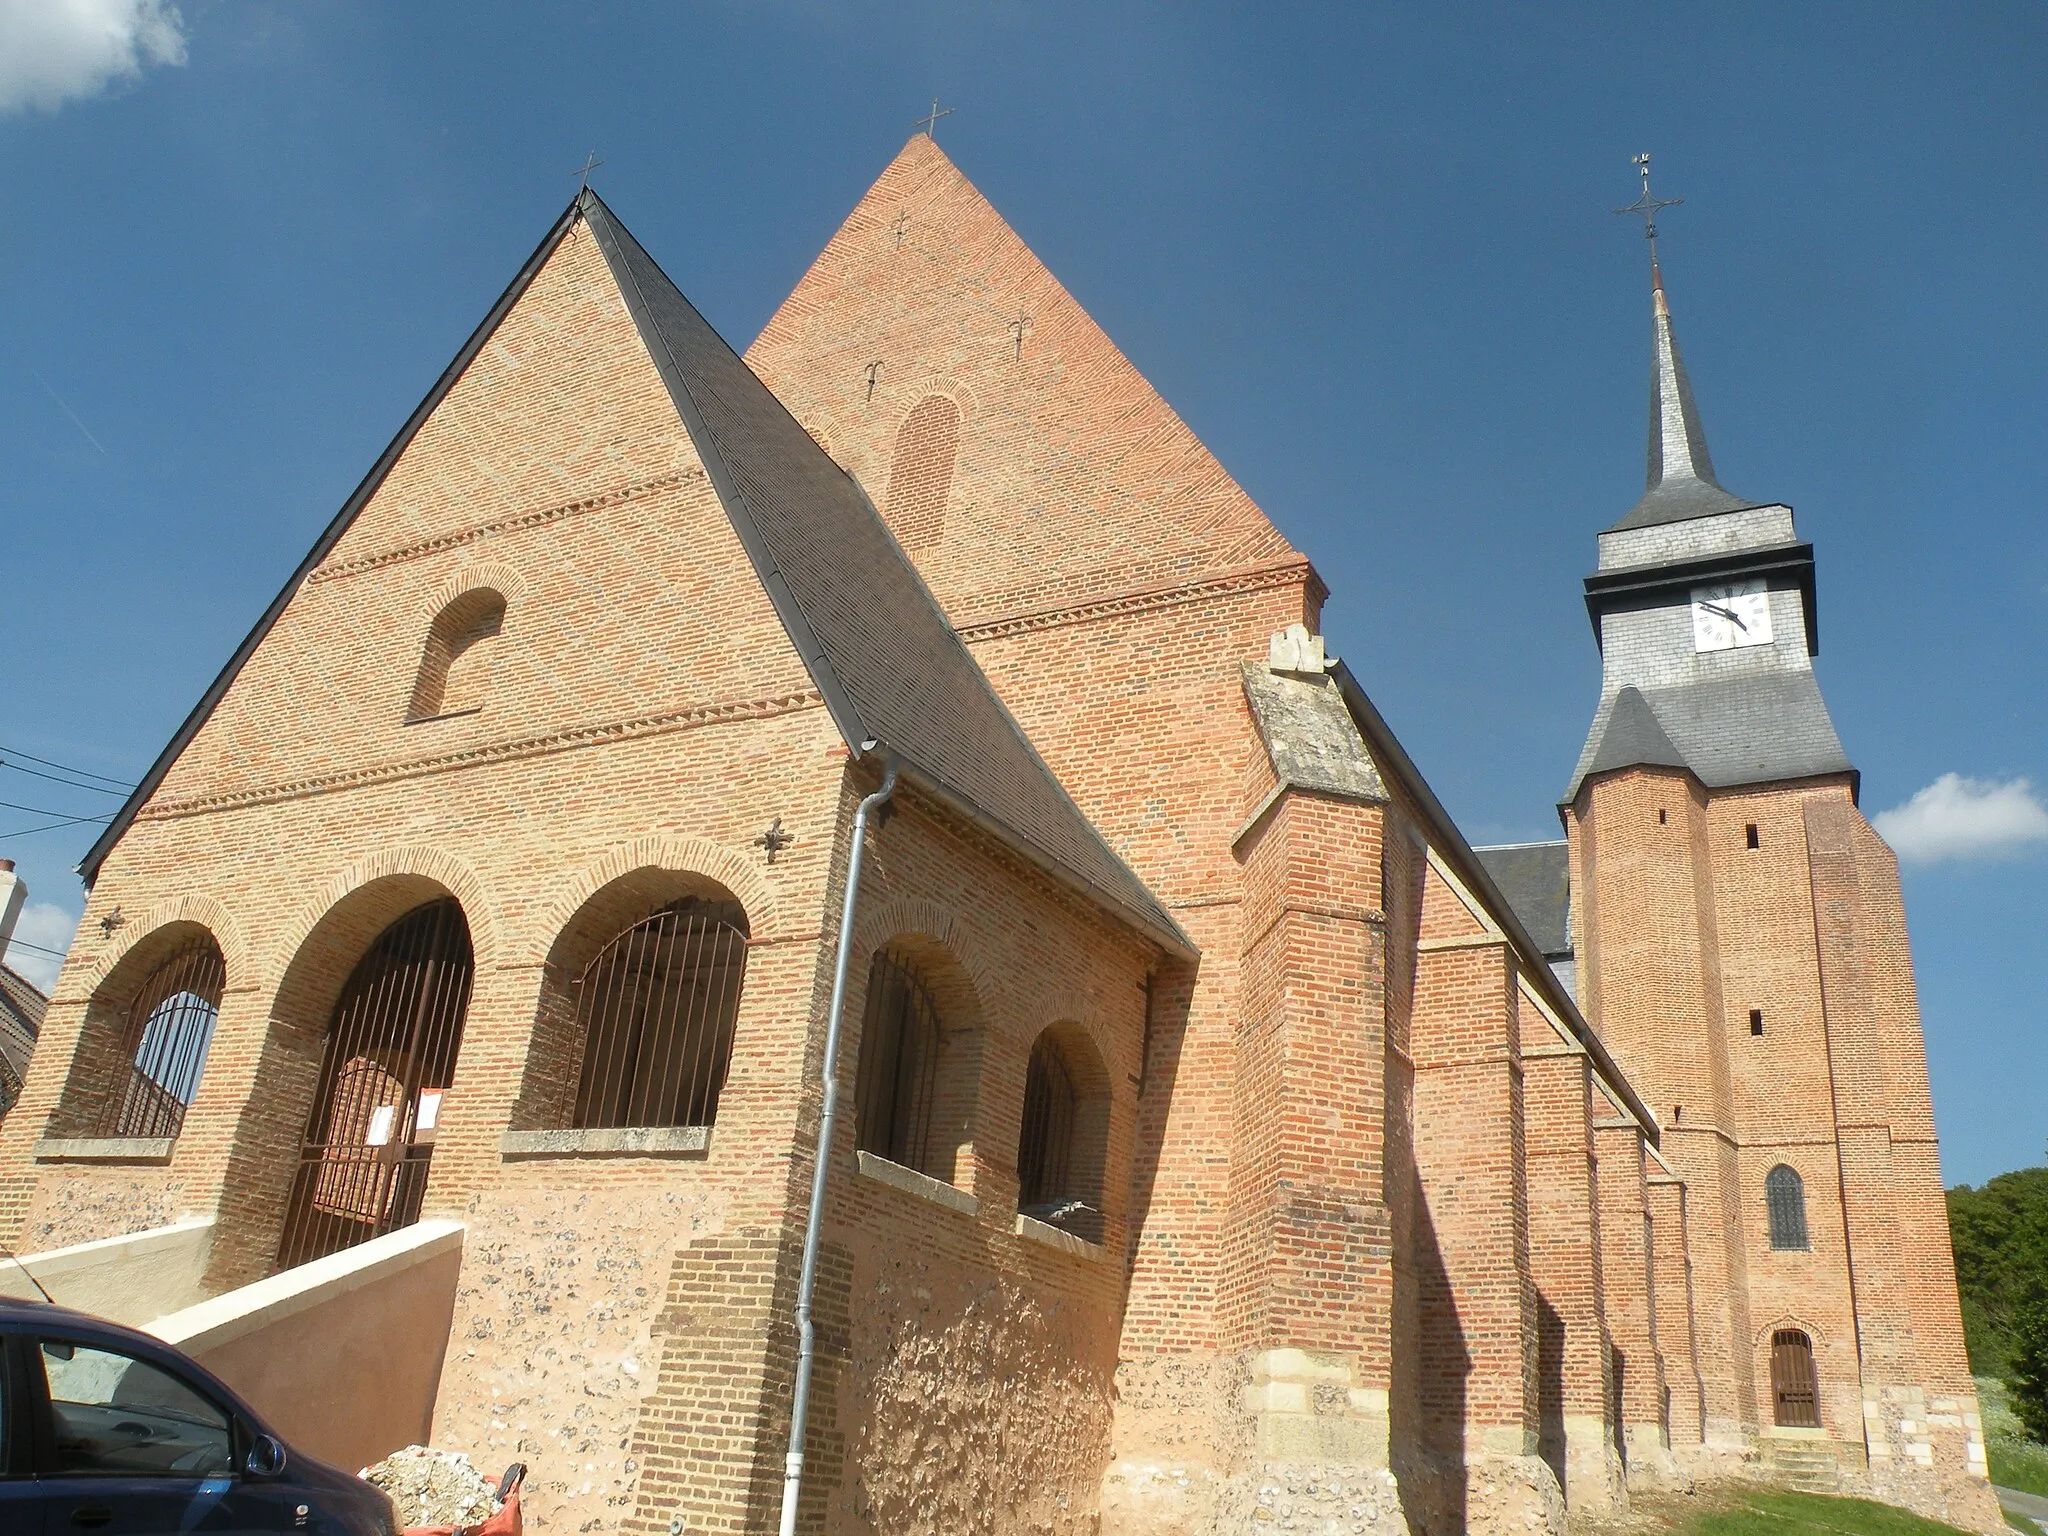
[[1725, 617]]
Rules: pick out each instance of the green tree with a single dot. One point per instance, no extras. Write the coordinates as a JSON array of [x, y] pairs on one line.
[[2026, 1376], [2000, 1234]]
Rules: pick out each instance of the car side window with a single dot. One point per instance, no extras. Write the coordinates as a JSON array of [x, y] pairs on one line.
[[116, 1416]]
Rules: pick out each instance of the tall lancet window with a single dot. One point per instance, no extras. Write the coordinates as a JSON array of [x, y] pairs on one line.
[[921, 478]]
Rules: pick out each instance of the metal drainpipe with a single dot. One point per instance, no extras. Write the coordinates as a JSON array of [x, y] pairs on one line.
[[800, 1402]]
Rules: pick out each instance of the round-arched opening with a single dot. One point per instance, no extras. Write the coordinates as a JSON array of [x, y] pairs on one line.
[[1794, 1391], [147, 1032], [454, 662], [656, 1010], [639, 1007], [917, 1089], [387, 1060], [1785, 1205], [1062, 1143]]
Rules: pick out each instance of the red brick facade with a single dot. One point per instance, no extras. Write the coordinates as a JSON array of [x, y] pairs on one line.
[[1385, 1239]]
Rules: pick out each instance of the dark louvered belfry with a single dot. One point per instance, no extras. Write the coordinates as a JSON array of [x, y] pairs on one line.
[[389, 1057], [656, 1011], [168, 1031]]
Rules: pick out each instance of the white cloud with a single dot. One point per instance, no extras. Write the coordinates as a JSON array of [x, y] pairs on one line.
[[47, 926], [54, 50], [1959, 818]]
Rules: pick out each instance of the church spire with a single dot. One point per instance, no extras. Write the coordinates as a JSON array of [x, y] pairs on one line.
[[1680, 483]]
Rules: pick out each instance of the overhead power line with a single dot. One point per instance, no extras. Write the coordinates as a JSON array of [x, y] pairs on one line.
[[98, 789], [83, 773], [43, 810], [40, 949]]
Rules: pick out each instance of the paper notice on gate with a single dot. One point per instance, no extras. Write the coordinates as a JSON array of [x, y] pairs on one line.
[[430, 1109], [382, 1119]]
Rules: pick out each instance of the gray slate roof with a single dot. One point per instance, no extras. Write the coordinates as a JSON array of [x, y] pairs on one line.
[[1681, 483], [1730, 731], [1536, 879], [890, 668], [875, 641], [22, 1005]]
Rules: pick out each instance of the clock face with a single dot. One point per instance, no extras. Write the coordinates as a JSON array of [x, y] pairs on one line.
[[1725, 617]]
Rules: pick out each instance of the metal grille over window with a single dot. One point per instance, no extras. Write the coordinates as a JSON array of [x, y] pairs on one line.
[[1785, 1196], [169, 1029], [1046, 1146], [1048, 1188], [389, 1058], [899, 1063], [921, 477], [656, 1011], [1792, 1382]]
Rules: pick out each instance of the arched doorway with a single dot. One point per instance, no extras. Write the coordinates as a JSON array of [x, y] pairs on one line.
[[1792, 1387], [389, 1055]]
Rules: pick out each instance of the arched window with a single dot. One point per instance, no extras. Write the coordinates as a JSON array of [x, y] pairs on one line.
[[454, 664], [921, 477], [1785, 1198], [1796, 1401], [1062, 1144], [169, 1029], [899, 1064], [656, 1011]]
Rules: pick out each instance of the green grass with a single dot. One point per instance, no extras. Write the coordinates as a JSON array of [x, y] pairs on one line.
[[1757, 1512], [2020, 1464], [2016, 1461]]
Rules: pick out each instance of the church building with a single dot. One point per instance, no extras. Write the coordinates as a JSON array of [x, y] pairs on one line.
[[1218, 1142]]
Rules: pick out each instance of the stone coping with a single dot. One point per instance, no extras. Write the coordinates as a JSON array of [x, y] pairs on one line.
[[105, 1149], [1044, 1232], [632, 1141], [921, 1185]]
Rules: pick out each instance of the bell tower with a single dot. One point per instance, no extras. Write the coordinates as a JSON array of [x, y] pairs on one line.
[[1741, 947]]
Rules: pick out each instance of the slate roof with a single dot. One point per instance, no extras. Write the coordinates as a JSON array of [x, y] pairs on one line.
[[21, 1019], [1727, 731], [894, 676], [1536, 879], [890, 667], [1681, 483]]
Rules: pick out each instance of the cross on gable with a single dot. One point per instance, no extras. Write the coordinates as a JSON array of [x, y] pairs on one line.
[[774, 840], [931, 119]]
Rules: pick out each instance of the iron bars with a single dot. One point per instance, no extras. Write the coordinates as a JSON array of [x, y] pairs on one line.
[[656, 1011], [389, 1057], [163, 1043]]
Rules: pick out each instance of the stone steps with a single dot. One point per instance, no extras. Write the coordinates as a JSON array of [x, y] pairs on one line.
[[1810, 1466]]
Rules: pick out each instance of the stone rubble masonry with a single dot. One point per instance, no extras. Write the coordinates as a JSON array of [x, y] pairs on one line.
[[1381, 1251]]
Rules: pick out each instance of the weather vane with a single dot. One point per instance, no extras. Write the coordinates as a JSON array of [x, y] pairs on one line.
[[1649, 206]]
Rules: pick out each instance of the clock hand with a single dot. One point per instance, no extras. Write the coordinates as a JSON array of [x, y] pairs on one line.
[[1727, 613]]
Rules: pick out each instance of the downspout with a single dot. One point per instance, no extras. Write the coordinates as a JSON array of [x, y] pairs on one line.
[[806, 1355]]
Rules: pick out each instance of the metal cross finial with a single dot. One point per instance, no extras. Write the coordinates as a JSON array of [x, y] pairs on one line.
[[590, 163], [1648, 206], [931, 119]]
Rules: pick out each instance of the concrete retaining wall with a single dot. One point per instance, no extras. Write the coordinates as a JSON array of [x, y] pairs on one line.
[[342, 1355], [127, 1279]]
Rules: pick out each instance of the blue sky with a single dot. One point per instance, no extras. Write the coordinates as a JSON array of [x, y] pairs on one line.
[[1367, 252]]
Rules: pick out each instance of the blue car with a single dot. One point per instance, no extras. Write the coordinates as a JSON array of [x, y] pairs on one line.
[[109, 1432]]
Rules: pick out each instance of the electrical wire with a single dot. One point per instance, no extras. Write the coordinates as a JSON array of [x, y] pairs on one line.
[[51, 826], [44, 810], [55, 954], [101, 789], [83, 773]]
